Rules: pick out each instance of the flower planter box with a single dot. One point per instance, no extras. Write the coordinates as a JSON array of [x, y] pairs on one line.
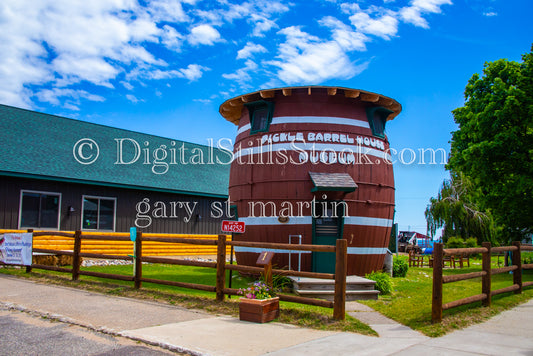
[[259, 310]]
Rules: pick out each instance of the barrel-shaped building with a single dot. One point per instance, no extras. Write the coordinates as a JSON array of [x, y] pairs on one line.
[[312, 165]]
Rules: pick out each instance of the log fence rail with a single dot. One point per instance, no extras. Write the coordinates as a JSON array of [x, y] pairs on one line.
[[485, 297], [221, 244]]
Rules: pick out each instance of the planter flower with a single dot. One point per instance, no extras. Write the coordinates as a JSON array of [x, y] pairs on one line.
[[259, 303]]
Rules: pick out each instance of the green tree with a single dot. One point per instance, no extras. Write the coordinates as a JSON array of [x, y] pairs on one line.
[[493, 146], [455, 211]]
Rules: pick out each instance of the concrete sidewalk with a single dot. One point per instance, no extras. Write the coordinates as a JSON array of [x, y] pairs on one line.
[[198, 333]]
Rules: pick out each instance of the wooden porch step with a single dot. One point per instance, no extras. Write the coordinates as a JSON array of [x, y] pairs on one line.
[[357, 288], [351, 295]]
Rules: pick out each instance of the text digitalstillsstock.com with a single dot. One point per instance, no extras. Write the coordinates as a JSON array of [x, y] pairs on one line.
[[265, 151]]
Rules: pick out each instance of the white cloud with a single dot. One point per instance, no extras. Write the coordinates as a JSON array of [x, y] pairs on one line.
[[304, 58], [192, 72], [413, 13], [71, 106], [241, 76], [132, 98], [347, 39], [203, 101], [213, 17], [490, 14], [63, 44], [237, 11], [430, 6], [249, 50], [384, 27], [167, 10], [204, 34], [74, 69], [272, 7], [261, 25], [52, 95], [171, 38], [259, 14], [57, 51], [127, 85]]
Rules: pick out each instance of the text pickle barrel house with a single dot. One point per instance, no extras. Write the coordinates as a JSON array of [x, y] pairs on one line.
[[312, 165]]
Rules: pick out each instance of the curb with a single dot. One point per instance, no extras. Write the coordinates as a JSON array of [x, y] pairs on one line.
[[102, 329]]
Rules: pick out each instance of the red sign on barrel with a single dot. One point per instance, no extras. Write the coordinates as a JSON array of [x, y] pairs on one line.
[[233, 226]]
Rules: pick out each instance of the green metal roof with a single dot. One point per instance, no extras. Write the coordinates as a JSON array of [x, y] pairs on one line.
[[41, 146]]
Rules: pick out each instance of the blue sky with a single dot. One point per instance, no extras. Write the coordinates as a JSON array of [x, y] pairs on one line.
[[164, 67]]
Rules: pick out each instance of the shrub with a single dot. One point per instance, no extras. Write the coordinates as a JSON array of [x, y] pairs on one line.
[[399, 267], [383, 281], [455, 242], [528, 257], [281, 283], [471, 242]]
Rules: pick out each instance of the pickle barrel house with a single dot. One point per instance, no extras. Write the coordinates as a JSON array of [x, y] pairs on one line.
[[63, 174], [312, 165]]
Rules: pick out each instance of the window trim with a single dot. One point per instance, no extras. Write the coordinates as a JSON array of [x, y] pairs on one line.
[[383, 112], [22, 191], [98, 221], [253, 107]]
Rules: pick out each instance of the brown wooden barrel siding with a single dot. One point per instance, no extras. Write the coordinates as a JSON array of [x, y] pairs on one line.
[[276, 183]]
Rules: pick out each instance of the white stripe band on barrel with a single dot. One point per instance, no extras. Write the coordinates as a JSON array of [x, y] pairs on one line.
[[316, 147], [260, 249], [311, 120], [307, 220], [366, 221], [272, 220], [367, 250], [350, 250]]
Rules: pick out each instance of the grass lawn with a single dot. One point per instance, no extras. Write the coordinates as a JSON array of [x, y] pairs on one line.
[[291, 313], [410, 301]]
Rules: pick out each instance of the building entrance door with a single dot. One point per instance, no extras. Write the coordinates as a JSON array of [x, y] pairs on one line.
[[327, 228]]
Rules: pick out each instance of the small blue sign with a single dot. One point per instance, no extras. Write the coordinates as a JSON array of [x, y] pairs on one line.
[[133, 233]]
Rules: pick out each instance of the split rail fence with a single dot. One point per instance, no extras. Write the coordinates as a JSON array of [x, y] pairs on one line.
[[220, 289], [486, 272]]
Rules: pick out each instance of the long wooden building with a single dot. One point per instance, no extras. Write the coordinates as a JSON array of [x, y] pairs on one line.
[[63, 174]]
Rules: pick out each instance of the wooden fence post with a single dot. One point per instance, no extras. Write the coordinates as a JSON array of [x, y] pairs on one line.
[[517, 261], [76, 256], [436, 308], [138, 261], [339, 304], [265, 260], [221, 267], [486, 279], [28, 268]]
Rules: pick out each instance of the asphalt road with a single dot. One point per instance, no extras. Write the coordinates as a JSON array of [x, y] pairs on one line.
[[25, 334]]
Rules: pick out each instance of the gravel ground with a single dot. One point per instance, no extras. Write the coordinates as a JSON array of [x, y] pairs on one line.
[[103, 262]]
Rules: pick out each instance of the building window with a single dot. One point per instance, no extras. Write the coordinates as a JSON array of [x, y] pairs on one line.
[[39, 210], [98, 213], [260, 115], [377, 117]]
